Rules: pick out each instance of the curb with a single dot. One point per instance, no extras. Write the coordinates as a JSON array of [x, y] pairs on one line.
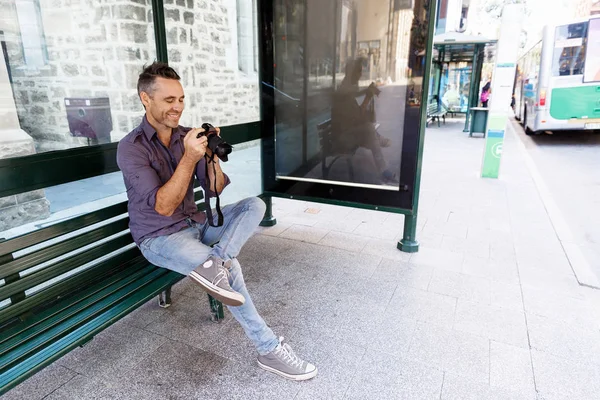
[[581, 268]]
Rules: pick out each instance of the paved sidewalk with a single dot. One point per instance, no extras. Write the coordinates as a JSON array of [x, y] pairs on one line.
[[488, 309]]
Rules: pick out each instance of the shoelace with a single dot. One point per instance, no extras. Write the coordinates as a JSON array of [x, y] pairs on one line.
[[222, 274], [289, 356]]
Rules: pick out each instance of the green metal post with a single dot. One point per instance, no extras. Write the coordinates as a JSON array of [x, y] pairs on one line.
[[268, 219], [216, 308], [409, 243], [474, 87], [160, 31]]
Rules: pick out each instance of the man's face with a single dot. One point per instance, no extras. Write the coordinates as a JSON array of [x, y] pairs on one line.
[[164, 105]]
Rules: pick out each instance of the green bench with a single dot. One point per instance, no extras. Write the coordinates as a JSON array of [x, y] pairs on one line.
[[435, 111], [65, 283]]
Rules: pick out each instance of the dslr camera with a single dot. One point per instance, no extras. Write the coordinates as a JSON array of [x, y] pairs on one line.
[[218, 146]]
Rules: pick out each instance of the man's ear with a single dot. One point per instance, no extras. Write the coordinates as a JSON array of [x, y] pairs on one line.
[[145, 98]]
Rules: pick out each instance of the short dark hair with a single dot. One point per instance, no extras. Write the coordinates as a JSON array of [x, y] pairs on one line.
[[151, 72]]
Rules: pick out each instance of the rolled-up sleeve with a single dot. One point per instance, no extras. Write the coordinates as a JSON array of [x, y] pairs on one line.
[[138, 174], [204, 183]]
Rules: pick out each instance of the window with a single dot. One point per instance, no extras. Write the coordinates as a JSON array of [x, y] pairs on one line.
[[569, 49], [247, 36], [32, 33]]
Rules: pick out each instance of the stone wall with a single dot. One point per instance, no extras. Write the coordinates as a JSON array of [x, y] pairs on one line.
[[98, 48]]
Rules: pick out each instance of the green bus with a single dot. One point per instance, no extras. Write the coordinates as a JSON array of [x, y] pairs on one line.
[[557, 86]]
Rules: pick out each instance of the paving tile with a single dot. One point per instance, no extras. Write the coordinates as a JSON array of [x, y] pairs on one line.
[[337, 363], [381, 376], [424, 306], [274, 230], [442, 259], [41, 384], [464, 388], [344, 241], [500, 324], [461, 286], [562, 339], [304, 234], [497, 270], [450, 350], [510, 367], [110, 354], [405, 275], [564, 284], [378, 230], [506, 295], [559, 379], [85, 388], [546, 302], [386, 249], [340, 225]]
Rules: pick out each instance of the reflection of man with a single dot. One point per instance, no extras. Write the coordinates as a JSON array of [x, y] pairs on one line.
[[159, 160], [351, 125]]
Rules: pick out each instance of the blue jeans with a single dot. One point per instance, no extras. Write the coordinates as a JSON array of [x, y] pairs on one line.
[[185, 250]]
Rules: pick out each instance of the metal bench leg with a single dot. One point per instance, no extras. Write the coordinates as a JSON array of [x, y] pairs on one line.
[[216, 308], [164, 298]]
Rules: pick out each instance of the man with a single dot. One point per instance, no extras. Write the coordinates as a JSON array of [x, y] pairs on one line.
[[352, 126], [159, 159]]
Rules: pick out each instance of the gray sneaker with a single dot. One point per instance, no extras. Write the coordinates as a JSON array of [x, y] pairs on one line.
[[213, 276], [284, 362]]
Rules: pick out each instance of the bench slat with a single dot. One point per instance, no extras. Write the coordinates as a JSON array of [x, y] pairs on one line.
[[72, 283], [40, 341], [82, 334], [63, 266], [63, 247], [69, 306]]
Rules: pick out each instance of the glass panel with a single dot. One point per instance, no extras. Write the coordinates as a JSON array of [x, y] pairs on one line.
[[215, 51], [69, 71], [569, 49], [342, 73], [592, 62]]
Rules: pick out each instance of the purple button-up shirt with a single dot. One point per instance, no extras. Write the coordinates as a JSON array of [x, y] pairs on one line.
[[147, 165]]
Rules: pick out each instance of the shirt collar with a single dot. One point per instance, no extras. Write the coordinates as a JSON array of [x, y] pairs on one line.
[[150, 132]]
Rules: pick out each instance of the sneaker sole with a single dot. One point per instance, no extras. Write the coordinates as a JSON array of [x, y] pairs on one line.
[[226, 297], [303, 377]]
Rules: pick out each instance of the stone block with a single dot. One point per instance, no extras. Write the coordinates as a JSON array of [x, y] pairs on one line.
[[180, 3], [213, 18], [39, 97], [190, 4], [174, 56], [22, 214], [8, 201], [183, 36], [132, 32], [172, 14], [70, 70], [188, 17], [30, 196], [58, 92], [172, 36], [37, 111], [129, 11]]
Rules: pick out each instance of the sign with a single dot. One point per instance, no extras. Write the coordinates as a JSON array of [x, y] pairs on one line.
[[502, 85]]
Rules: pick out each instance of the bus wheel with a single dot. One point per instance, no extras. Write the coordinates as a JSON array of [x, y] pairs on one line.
[[528, 131]]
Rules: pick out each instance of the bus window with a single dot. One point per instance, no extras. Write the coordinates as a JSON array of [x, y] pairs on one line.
[[569, 49]]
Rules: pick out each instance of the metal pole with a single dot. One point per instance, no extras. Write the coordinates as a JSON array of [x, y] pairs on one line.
[[160, 31], [474, 87], [268, 219], [409, 243]]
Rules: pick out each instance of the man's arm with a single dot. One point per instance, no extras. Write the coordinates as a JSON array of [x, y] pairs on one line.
[[215, 185], [171, 194]]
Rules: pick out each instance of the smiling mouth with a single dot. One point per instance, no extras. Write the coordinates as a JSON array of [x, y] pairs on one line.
[[173, 116]]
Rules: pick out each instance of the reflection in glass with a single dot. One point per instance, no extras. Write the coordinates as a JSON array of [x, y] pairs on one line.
[[344, 80]]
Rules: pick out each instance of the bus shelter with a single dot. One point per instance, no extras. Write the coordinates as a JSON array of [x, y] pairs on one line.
[[456, 71]]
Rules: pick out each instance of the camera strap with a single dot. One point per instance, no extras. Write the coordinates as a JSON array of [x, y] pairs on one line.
[[206, 197]]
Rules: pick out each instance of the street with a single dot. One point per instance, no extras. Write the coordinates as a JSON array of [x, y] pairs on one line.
[[569, 163]]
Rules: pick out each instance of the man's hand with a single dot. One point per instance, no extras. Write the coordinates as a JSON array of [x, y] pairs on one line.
[[195, 148]]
